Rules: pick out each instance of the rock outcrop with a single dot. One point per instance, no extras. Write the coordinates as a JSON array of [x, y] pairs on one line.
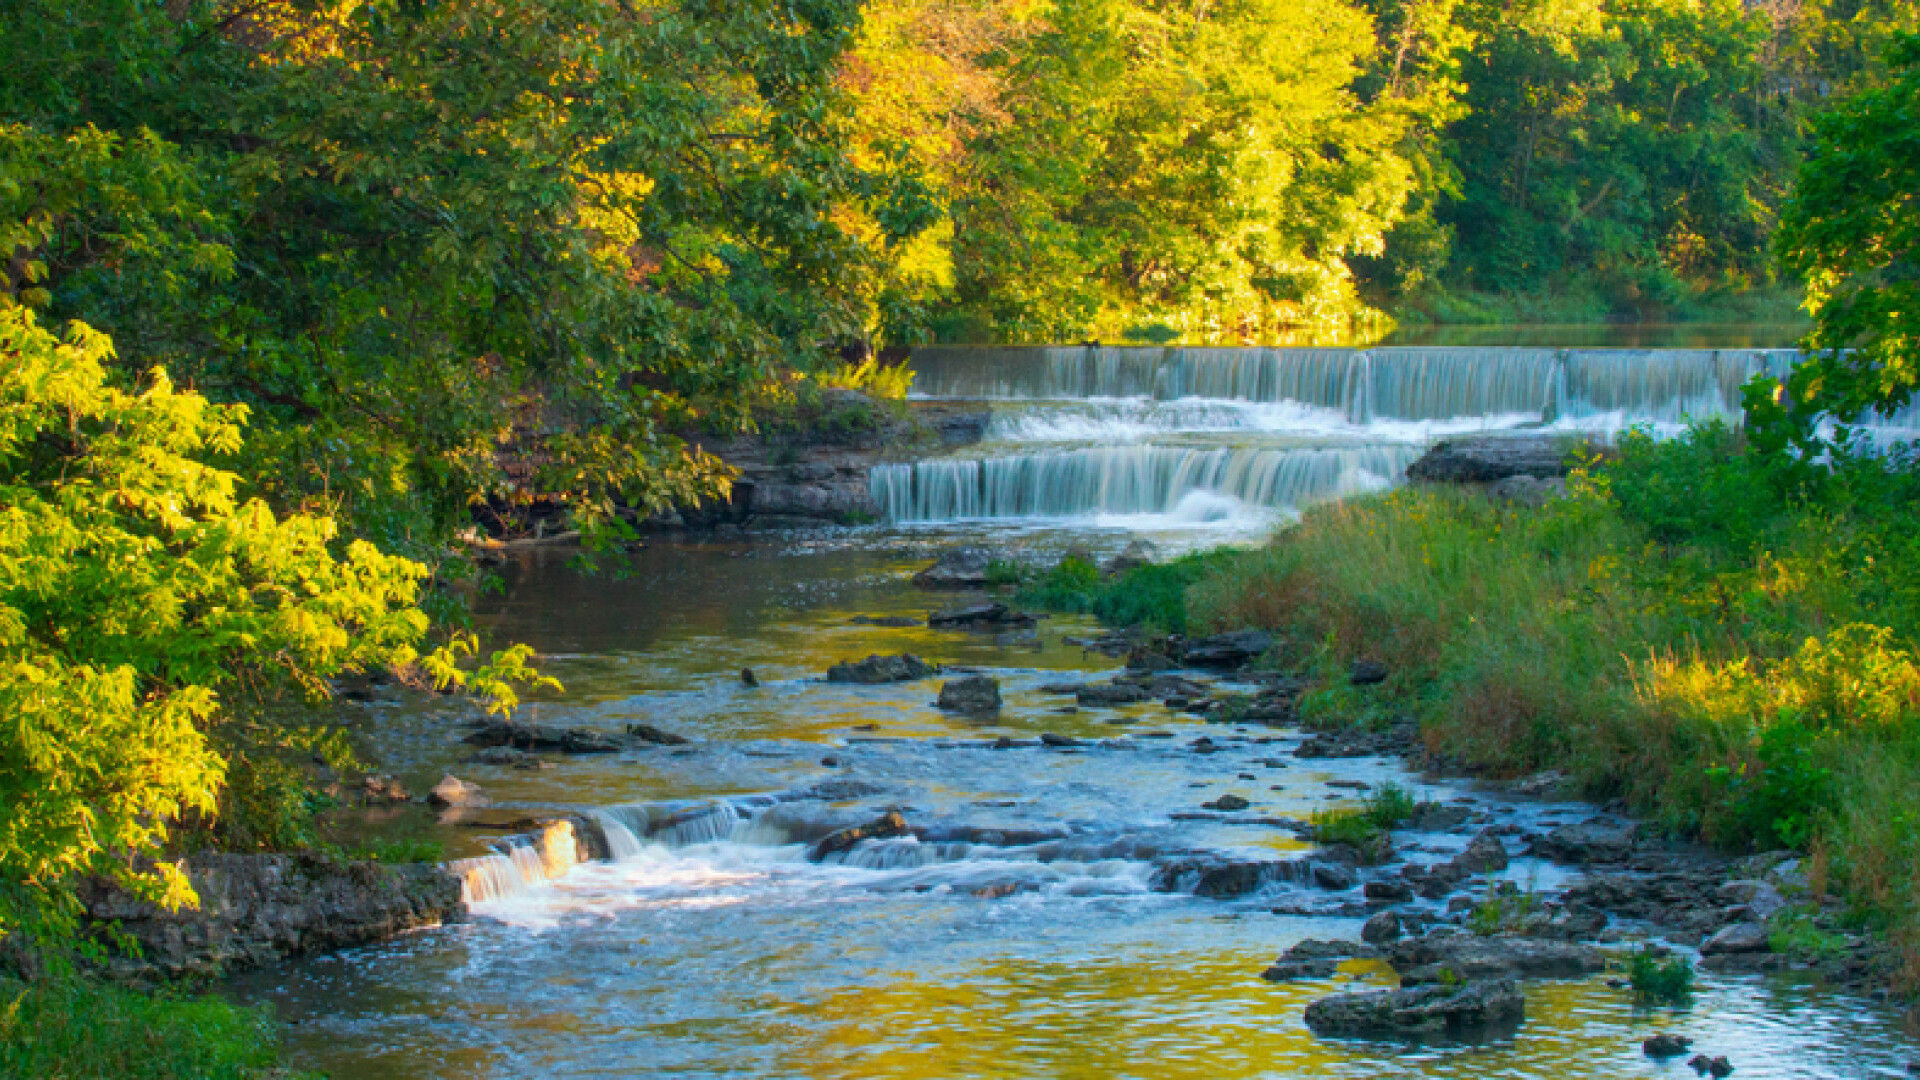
[[1459, 1010], [259, 908], [905, 667], [1484, 459]]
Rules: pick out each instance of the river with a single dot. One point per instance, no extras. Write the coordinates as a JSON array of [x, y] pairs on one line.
[[715, 947]]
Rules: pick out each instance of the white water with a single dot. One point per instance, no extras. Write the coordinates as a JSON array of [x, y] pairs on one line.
[[1241, 438]]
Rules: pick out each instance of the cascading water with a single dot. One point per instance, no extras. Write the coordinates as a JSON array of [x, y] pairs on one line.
[[1204, 436]]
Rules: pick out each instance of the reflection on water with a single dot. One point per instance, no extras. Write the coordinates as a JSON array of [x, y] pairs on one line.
[[726, 952]]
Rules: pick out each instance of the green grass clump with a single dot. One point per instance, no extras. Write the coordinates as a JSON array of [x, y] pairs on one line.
[[1153, 596], [1005, 572], [72, 1027], [1662, 982], [1365, 827]]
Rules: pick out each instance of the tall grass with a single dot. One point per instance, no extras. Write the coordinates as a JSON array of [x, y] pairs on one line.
[[77, 1028], [1725, 642]]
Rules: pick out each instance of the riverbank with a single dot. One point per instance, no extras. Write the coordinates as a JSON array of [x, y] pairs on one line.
[[1688, 634]]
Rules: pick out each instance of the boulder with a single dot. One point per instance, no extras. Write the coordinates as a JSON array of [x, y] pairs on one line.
[[1217, 875], [1483, 459], [1716, 1067], [1484, 855], [884, 827], [524, 736], [1587, 843], [1136, 554], [1381, 929], [1423, 960], [984, 616], [975, 695], [961, 568], [452, 791], [905, 667], [1468, 1009], [1334, 877], [1388, 892], [647, 733], [1758, 899], [1109, 694], [1664, 1045], [1743, 937], [1227, 803], [1227, 650]]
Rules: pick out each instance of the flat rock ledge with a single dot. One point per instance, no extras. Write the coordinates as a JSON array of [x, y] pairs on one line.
[[255, 909], [1464, 1010], [1485, 459]]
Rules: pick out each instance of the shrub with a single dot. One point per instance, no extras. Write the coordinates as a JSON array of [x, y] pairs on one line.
[[1658, 981]]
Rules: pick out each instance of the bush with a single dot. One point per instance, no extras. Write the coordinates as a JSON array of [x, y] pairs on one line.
[[1657, 981], [1152, 596]]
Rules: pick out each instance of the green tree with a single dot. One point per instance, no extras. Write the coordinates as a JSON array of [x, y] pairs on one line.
[[1853, 231], [139, 591]]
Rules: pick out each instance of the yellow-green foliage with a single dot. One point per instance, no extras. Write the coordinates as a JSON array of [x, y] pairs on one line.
[[137, 587], [1726, 642], [888, 382]]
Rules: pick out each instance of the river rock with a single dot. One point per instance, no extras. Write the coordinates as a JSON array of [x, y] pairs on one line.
[[452, 791], [1227, 650], [525, 736], [897, 621], [1388, 892], [1587, 843], [1423, 960], [1381, 929], [961, 568], [905, 667], [1136, 554], [649, 734], [1334, 877], [1110, 694], [975, 695], [259, 908], [1142, 658], [1757, 899], [884, 827], [1483, 459], [1060, 742], [985, 616], [384, 789], [1664, 1045], [1717, 1067], [1743, 937], [1484, 855], [1227, 803], [1458, 1010], [1360, 742]]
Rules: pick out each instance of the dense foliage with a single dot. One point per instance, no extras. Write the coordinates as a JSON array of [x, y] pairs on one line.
[[137, 587]]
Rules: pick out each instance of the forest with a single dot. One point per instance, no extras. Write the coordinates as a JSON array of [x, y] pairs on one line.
[[285, 279]]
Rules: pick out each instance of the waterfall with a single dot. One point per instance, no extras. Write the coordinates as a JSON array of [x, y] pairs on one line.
[[1446, 383], [621, 843], [490, 877], [1128, 479]]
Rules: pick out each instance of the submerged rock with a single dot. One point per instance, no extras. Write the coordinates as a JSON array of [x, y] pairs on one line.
[[905, 667], [650, 734], [525, 736], [975, 695], [884, 827], [961, 568], [1465, 1010], [453, 791]]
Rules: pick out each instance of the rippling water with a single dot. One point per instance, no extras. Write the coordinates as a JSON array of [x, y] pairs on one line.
[[727, 953]]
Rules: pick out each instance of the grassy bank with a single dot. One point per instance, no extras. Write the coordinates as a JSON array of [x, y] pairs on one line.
[[1726, 643], [77, 1029]]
